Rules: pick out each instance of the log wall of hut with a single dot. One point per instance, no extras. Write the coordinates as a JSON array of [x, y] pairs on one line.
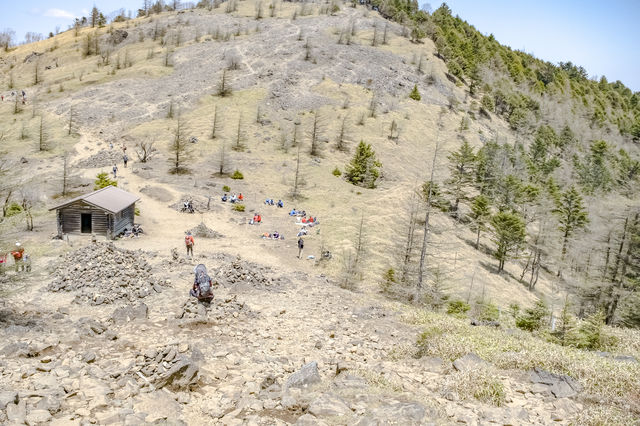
[[71, 219]]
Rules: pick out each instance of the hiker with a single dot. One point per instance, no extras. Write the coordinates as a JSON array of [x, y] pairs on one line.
[[18, 254], [115, 171], [240, 197], [124, 149], [276, 236], [292, 212], [259, 218], [189, 243], [224, 198], [110, 145], [254, 220], [303, 231], [300, 247], [125, 159], [233, 198], [280, 204], [202, 287]]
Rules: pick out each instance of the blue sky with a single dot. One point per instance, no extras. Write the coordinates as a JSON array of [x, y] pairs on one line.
[[602, 36]]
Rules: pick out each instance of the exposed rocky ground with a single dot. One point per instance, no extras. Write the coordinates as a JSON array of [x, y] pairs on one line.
[[106, 334]]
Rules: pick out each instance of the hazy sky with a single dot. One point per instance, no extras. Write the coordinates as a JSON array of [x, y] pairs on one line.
[[602, 36]]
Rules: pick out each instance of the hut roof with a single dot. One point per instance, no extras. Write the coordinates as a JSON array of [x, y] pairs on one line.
[[110, 198]]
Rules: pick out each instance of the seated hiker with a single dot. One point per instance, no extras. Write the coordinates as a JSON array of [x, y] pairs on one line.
[[266, 235], [275, 235], [266, 202], [271, 203], [280, 204], [225, 198], [255, 218], [304, 220], [233, 198], [292, 212], [240, 197], [301, 232], [202, 287], [259, 219], [310, 220], [18, 254]]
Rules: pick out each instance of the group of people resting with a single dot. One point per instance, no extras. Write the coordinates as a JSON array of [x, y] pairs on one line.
[[274, 236], [233, 199], [270, 202], [256, 219]]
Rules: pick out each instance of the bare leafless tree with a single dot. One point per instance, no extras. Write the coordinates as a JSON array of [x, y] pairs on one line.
[[145, 150]]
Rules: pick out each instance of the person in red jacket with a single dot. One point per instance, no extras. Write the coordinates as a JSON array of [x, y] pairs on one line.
[[240, 197], [18, 255], [189, 243]]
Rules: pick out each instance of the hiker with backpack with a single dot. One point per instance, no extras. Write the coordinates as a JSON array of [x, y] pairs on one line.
[[189, 243], [300, 247], [125, 159], [202, 287]]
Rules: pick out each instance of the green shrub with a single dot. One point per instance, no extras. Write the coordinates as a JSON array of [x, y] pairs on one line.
[[487, 103], [415, 94], [136, 212], [14, 209], [238, 207], [337, 172], [487, 311], [226, 188], [237, 175], [533, 318], [458, 308], [102, 181], [388, 279]]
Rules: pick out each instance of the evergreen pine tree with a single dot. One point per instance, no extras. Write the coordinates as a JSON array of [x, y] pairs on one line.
[[363, 168], [415, 94]]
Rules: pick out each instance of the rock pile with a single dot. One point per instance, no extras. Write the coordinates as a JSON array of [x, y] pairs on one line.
[[218, 309], [198, 202], [102, 273], [170, 367], [239, 271], [203, 231], [103, 158]]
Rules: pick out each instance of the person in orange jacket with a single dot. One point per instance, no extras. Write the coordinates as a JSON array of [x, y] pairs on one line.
[[189, 243]]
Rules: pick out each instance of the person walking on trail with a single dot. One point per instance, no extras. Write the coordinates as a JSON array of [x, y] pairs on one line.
[[115, 171], [189, 243], [125, 159], [18, 254], [300, 247]]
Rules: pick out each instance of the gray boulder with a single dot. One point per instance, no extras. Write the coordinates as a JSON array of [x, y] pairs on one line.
[[129, 313], [328, 405], [304, 377], [8, 397], [181, 376], [469, 362], [560, 385]]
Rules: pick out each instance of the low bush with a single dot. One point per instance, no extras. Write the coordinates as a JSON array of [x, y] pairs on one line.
[[237, 175]]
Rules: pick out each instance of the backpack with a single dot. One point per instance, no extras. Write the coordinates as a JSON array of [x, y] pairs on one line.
[[202, 279], [188, 240]]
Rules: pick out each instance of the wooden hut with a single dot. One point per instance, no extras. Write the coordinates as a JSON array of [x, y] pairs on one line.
[[107, 211]]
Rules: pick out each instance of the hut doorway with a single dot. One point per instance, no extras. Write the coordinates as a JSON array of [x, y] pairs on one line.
[[85, 223]]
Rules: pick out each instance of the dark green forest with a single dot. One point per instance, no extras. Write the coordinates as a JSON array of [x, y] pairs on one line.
[[562, 199]]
